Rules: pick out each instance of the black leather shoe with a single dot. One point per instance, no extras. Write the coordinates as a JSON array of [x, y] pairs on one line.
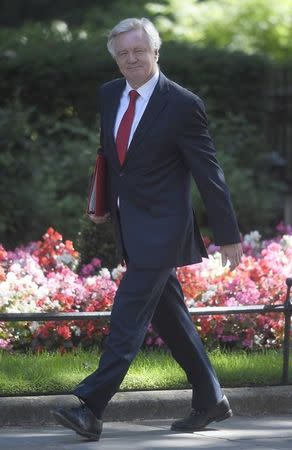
[[199, 419], [79, 419]]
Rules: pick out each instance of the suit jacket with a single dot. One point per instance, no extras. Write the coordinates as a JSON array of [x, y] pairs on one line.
[[170, 146]]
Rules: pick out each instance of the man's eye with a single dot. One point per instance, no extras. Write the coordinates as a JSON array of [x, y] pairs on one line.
[[139, 51]]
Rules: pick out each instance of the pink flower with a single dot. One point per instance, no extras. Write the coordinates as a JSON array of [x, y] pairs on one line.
[[284, 229], [5, 344], [96, 262], [149, 341], [38, 277], [229, 338], [159, 342], [248, 343]]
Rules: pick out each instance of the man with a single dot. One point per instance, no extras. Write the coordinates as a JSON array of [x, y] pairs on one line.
[[154, 137]]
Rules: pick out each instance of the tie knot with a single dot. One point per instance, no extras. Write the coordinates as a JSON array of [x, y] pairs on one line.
[[133, 95]]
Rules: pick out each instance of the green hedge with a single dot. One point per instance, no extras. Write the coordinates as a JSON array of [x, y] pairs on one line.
[[17, 12], [44, 164], [256, 191], [48, 125], [60, 76], [97, 241], [46, 161]]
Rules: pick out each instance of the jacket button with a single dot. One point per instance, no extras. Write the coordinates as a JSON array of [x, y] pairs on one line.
[[122, 174]]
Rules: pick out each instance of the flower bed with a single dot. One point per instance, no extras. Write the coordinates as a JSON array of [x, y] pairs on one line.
[[43, 277]]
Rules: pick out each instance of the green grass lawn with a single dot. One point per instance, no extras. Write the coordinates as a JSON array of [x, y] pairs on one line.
[[54, 373]]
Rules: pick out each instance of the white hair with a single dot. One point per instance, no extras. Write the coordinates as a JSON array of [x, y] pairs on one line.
[[134, 24]]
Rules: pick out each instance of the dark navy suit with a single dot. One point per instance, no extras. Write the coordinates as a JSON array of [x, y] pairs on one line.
[[156, 231]]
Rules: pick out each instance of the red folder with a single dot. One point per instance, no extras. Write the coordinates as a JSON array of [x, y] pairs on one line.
[[97, 191]]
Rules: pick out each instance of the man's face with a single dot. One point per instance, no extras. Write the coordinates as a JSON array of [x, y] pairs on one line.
[[136, 59]]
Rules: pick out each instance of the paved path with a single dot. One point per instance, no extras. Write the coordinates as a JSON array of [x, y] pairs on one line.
[[238, 433]]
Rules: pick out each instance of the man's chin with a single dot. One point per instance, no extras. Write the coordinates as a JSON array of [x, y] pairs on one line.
[[136, 81]]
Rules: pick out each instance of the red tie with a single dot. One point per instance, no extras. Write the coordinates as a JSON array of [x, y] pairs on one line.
[[125, 126]]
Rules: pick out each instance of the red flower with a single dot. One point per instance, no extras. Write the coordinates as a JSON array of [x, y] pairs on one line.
[[64, 331], [64, 300], [44, 330], [2, 274], [50, 247], [3, 253], [207, 241], [90, 328]]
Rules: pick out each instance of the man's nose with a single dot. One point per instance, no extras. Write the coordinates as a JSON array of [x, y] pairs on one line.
[[132, 57]]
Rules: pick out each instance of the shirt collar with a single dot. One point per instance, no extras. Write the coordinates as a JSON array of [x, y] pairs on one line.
[[146, 90]]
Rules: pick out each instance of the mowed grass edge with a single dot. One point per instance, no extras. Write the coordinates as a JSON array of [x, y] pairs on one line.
[[24, 374]]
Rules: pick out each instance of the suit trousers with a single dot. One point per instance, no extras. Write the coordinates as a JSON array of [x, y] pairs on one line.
[[149, 296]]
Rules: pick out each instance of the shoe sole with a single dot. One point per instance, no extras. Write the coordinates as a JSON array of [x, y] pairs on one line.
[[62, 420], [227, 415]]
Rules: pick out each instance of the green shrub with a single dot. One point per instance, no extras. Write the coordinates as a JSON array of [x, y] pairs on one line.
[[97, 241], [60, 72], [49, 149], [44, 165], [75, 12], [252, 26], [46, 162], [256, 193]]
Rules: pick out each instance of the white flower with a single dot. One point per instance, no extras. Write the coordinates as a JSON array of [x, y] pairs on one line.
[[20, 307], [51, 305], [23, 39], [82, 34], [90, 281], [60, 26], [65, 258], [286, 241], [214, 266], [42, 292], [76, 330], [206, 296], [34, 326], [117, 271], [11, 278], [15, 268], [105, 273], [252, 239], [190, 302]]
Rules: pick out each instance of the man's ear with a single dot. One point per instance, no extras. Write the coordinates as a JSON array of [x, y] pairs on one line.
[[156, 53]]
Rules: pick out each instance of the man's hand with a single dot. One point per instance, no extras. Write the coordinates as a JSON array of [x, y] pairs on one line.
[[99, 220], [233, 253]]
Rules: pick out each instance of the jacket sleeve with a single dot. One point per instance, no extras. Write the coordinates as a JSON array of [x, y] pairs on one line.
[[199, 155]]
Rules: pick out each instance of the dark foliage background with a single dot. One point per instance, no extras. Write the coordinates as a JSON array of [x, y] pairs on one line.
[[49, 122]]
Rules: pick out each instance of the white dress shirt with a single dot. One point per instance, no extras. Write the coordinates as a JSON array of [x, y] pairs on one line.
[[145, 93]]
